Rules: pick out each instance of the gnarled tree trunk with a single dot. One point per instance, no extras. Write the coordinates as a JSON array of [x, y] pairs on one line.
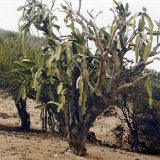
[[78, 132]]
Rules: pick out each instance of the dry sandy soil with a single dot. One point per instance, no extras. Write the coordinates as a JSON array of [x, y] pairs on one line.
[[17, 145]]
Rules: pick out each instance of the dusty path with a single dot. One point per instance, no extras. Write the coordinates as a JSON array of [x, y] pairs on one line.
[[16, 145]]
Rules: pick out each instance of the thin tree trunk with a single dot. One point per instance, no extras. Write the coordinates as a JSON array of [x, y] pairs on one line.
[[23, 114]]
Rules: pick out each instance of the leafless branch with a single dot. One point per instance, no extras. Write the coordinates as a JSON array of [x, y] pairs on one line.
[[98, 40], [53, 3], [84, 19], [100, 12], [112, 36], [90, 13], [128, 85], [80, 3], [79, 18]]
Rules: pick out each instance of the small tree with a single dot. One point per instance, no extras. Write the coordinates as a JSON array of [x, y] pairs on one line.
[[141, 120], [9, 53], [83, 83]]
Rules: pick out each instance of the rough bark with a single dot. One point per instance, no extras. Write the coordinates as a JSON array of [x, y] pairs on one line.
[[78, 133]]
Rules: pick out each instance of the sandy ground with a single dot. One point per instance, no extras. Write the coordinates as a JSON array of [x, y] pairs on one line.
[[17, 145]]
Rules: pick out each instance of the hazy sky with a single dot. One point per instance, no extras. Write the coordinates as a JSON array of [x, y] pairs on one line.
[[9, 15]]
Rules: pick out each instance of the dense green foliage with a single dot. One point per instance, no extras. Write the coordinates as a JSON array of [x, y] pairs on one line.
[[10, 53]]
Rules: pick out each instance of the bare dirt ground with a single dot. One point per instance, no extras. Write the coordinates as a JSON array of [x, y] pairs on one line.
[[17, 145]]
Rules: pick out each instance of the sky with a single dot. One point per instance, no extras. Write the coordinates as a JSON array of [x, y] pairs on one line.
[[9, 15]]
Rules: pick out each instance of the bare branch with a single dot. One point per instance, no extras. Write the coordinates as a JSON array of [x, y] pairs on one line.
[[53, 3], [84, 19], [100, 12], [112, 36], [136, 70], [80, 2], [77, 16], [98, 40], [90, 14], [94, 17], [128, 85]]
